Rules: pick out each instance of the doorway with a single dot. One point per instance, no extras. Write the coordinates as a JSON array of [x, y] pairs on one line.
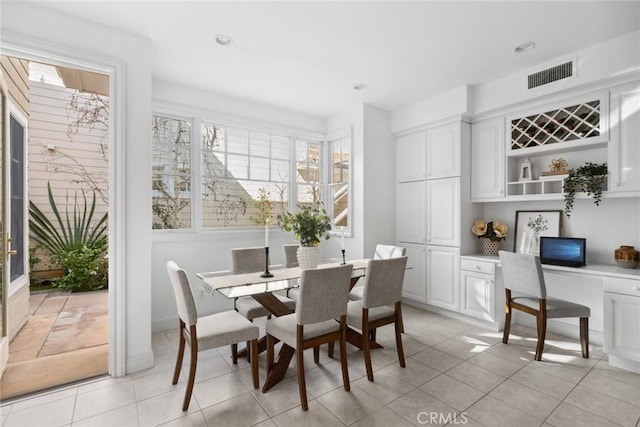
[[59, 317]]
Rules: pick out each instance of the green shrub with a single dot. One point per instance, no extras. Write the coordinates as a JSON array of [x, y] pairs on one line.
[[85, 269]]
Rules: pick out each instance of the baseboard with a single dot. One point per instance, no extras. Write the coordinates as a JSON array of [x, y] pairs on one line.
[[139, 362], [164, 325]]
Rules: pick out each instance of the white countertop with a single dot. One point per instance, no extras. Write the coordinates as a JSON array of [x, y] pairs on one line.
[[591, 268]]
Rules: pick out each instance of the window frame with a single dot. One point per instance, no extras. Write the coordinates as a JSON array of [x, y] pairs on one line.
[[332, 138]]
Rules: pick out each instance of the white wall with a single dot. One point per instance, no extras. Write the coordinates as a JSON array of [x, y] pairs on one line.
[[42, 33]]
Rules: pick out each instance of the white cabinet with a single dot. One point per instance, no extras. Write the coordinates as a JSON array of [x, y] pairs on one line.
[[411, 157], [443, 212], [624, 146], [415, 281], [443, 151], [411, 207], [477, 289], [487, 159], [443, 276], [622, 322]]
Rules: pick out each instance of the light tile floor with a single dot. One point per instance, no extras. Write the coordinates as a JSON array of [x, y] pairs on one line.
[[456, 374]]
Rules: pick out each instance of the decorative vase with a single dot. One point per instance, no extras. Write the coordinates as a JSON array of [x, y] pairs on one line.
[[627, 257], [308, 257], [534, 244], [490, 247]]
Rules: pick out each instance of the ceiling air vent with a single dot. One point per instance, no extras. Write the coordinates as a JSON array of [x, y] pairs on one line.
[[550, 75]]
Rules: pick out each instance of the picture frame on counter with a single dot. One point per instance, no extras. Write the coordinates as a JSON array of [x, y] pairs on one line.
[[548, 223]]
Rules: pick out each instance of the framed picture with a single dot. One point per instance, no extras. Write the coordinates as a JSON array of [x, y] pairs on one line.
[[547, 223]]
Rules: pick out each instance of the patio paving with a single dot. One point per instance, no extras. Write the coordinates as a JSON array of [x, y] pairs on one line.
[[64, 340]]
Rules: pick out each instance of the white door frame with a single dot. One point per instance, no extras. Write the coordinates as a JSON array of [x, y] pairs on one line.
[[46, 52]]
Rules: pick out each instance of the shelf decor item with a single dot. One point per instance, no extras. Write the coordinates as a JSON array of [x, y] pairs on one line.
[[627, 257], [264, 206], [310, 224], [491, 233], [590, 178], [531, 225]]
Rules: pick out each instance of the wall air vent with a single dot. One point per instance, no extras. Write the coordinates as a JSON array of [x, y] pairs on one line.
[[550, 75]]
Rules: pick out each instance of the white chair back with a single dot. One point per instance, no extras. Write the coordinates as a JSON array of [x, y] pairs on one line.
[[522, 273], [247, 260], [324, 294], [383, 282], [290, 253], [389, 251], [184, 297]]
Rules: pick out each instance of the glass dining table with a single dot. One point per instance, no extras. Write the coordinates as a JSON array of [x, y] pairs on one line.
[[261, 289]]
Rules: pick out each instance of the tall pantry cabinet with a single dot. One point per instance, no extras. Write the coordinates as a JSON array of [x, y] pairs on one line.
[[434, 211]]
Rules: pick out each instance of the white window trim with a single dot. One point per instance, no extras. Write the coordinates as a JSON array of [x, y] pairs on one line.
[[333, 136]]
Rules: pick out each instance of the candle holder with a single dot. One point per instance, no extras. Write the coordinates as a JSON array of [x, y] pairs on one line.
[[343, 260], [266, 273]]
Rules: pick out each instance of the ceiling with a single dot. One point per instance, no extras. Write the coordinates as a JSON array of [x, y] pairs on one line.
[[307, 56]]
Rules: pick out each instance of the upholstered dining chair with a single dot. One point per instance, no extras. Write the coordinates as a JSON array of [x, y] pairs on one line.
[[251, 260], [525, 290], [381, 252], [204, 333], [323, 298], [380, 305]]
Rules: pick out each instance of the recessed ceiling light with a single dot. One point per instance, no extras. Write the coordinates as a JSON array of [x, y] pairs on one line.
[[223, 39], [360, 86], [525, 47]]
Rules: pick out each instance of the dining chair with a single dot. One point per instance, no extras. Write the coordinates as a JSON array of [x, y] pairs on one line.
[[381, 252], [323, 298], [252, 260], [380, 305], [525, 290], [290, 257], [204, 333]]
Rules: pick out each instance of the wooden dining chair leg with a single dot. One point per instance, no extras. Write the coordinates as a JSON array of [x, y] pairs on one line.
[[234, 353], [316, 354], [331, 349], [542, 332], [343, 354], [247, 348], [254, 363], [270, 349], [507, 317], [584, 336], [192, 368], [176, 371], [302, 386], [398, 326], [366, 347]]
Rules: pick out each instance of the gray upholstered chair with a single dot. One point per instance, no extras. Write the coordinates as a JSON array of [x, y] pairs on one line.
[[381, 252], [323, 298], [251, 260], [380, 304], [526, 291], [216, 330], [290, 256]]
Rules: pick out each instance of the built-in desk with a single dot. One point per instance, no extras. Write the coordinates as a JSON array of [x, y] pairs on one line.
[[612, 293]]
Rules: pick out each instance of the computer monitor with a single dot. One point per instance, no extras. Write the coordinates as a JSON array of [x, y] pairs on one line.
[[567, 251]]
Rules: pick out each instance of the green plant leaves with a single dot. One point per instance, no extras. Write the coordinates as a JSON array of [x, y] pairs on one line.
[[309, 223]]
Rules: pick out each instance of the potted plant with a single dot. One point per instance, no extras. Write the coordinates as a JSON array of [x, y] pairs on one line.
[[589, 178], [310, 224], [491, 234]]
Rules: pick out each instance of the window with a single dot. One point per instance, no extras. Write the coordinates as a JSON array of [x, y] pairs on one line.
[[171, 179], [339, 179], [236, 164], [308, 172]]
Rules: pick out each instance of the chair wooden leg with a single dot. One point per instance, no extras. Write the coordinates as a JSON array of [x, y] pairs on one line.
[[234, 353], [366, 347], [302, 386], [507, 317], [254, 363], [343, 354], [331, 349], [270, 345], [316, 354], [248, 352], [192, 369], [176, 371], [542, 332], [398, 326], [584, 336]]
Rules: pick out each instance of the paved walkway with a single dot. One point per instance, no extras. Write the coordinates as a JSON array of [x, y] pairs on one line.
[[64, 340]]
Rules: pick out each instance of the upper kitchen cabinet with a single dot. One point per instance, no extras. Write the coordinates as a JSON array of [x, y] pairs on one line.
[[624, 146], [487, 159], [443, 151], [411, 157]]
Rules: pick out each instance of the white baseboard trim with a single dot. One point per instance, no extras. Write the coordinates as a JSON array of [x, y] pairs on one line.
[[164, 325], [139, 362]]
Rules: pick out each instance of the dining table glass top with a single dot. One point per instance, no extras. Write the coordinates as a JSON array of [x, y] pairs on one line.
[[247, 284]]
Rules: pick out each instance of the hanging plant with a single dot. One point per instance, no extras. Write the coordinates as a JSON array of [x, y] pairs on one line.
[[590, 178]]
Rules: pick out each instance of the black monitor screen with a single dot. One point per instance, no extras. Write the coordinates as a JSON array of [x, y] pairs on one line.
[[569, 251]]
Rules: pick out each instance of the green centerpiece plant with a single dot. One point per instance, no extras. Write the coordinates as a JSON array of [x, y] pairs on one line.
[[590, 178]]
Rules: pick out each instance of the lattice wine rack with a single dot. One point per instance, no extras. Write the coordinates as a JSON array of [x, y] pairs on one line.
[[576, 122]]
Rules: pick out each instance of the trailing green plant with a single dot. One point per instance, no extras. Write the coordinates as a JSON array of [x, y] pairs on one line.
[[590, 178], [85, 269], [310, 224]]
